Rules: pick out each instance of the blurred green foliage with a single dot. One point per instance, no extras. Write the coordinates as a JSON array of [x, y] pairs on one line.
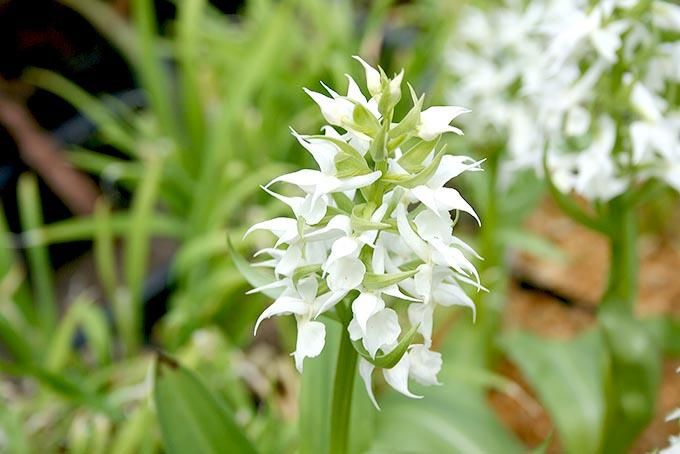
[[221, 92]]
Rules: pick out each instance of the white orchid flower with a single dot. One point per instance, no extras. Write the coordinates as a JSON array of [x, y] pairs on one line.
[[339, 110], [419, 363], [302, 301], [436, 120], [362, 253]]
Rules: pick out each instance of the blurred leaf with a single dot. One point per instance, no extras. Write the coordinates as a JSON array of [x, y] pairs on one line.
[[256, 277], [74, 389], [151, 68], [190, 417], [450, 418], [78, 229], [569, 377], [135, 431], [316, 389], [634, 377], [666, 332], [14, 439], [525, 241], [128, 311], [30, 211], [104, 249], [81, 314], [99, 113]]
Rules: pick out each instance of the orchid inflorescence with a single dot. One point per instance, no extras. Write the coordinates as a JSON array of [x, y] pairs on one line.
[[372, 231], [585, 89]]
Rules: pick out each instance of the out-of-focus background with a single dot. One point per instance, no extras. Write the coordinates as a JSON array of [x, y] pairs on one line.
[[135, 135]]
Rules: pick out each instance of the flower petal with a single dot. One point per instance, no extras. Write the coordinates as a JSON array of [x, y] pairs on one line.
[[364, 306], [281, 227], [410, 237], [284, 305], [322, 151], [424, 365], [435, 121], [372, 77], [421, 314], [311, 338], [382, 329], [365, 371], [397, 377], [345, 274]]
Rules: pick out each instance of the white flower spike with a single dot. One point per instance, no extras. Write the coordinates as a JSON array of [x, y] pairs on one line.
[[351, 248]]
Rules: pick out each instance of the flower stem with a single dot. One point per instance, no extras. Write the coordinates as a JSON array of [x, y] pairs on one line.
[[345, 370], [622, 285]]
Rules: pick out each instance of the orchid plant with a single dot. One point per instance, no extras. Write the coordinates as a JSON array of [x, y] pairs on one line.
[[585, 94], [372, 232]]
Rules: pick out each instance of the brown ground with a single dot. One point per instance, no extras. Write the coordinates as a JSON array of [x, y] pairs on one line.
[[580, 279]]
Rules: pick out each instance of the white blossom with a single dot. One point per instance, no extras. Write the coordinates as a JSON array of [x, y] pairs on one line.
[[546, 78], [371, 227]]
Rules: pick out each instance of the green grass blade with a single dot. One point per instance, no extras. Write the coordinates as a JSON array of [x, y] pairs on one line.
[[137, 251], [38, 258], [110, 126], [151, 67], [81, 229], [104, 254], [189, 22]]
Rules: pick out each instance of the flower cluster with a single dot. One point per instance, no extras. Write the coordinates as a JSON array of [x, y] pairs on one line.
[[372, 231], [592, 84]]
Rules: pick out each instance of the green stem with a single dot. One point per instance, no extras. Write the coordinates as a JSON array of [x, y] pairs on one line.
[[622, 285], [488, 313], [345, 370]]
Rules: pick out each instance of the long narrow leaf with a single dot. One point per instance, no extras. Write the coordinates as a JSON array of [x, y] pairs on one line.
[[38, 257], [191, 418]]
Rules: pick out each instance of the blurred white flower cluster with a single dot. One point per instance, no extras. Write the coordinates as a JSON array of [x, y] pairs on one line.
[[372, 232], [593, 84]]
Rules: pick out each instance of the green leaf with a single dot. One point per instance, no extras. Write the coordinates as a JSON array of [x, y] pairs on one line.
[[411, 181], [569, 377], [108, 123], [412, 160], [410, 120], [452, 418], [361, 222], [256, 277], [135, 431], [74, 389], [364, 121], [634, 378], [377, 281], [316, 389], [349, 161], [191, 418], [79, 229], [533, 244], [83, 314], [666, 331], [30, 211], [15, 440], [343, 202]]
